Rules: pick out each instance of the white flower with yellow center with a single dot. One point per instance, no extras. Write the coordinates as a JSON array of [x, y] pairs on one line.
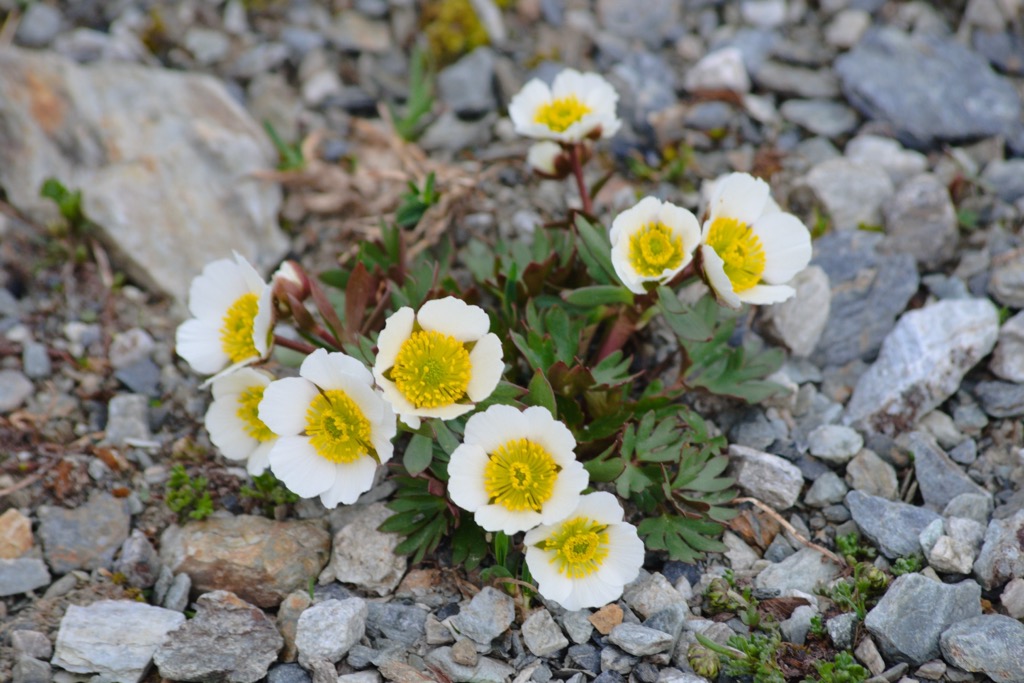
[[437, 362], [575, 107], [515, 469], [586, 559], [233, 323], [652, 242], [233, 419], [333, 428], [750, 249]]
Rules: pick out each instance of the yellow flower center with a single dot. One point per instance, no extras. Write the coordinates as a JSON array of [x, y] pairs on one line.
[[249, 414], [580, 546], [432, 369], [337, 428], [236, 328], [559, 114], [740, 249], [520, 475], [654, 249]]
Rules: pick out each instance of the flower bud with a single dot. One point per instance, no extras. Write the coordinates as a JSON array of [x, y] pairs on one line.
[[703, 661], [290, 279], [549, 160]]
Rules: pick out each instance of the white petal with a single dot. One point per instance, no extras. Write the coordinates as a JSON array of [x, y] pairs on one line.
[[253, 281], [263, 323], [353, 480], [551, 584], [683, 224], [259, 461], [523, 107], [763, 295], [568, 82], [240, 381], [495, 427], [486, 367], [600, 506], [455, 318], [625, 555], [221, 284], [369, 401], [198, 342], [552, 435], [383, 431], [227, 431], [284, 405], [787, 246], [740, 196], [334, 370], [630, 221], [411, 421], [448, 412], [397, 329], [714, 270], [565, 495], [542, 156], [466, 477], [399, 403], [591, 591], [631, 279], [295, 462], [500, 518]]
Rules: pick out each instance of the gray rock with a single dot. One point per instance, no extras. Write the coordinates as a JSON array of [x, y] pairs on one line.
[[804, 571], [910, 617], [1006, 178], [541, 634], [650, 22], [488, 615], [852, 193], [450, 133], [405, 624], [795, 629], [364, 556], [22, 575], [1001, 399], [869, 290], [827, 118], [799, 322], [841, 630], [976, 506], [827, 489], [646, 85], [795, 80], [1002, 557], [893, 527], [467, 86], [35, 360], [1007, 282], [207, 46], [197, 196], [138, 561], [719, 70], [586, 657], [640, 640], [940, 479], [990, 644], [127, 419], [922, 363], [87, 536], [129, 347], [15, 388], [328, 630], [113, 638], [1013, 598], [953, 552], [288, 673], [615, 664], [177, 594], [920, 220], [847, 27], [32, 644], [766, 477], [651, 593], [670, 620], [577, 625], [901, 164], [39, 26], [834, 443], [1008, 357], [709, 116], [487, 670], [30, 670], [228, 640], [909, 83]]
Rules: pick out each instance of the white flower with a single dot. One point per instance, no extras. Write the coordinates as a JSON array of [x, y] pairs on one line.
[[652, 242], [516, 470], [333, 428], [586, 559], [438, 362], [750, 249], [233, 418], [233, 309], [576, 106]]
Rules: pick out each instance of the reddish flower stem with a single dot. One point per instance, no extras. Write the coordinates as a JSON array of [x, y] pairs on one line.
[[581, 185], [294, 344]]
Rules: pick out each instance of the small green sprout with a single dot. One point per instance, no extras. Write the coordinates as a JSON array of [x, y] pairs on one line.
[[188, 497]]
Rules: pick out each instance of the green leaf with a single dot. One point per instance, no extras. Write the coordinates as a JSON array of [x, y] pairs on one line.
[[418, 454], [596, 251], [604, 470], [598, 295], [692, 324], [539, 393], [469, 544], [684, 539], [448, 441]]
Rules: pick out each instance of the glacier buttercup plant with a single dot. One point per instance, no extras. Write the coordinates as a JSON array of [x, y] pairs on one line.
[[574, 107], [333, 428], [652, 242], [516, 469], [233, 418]]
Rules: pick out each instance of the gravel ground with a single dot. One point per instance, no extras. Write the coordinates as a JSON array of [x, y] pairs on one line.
[[894, 129]]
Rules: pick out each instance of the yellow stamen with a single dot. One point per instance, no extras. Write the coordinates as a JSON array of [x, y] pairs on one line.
[[654, 249], [559, 114], [236, 328], [520, 475], [432, 369], [337, 428], [248, 413], [740, 249], [580, 547]]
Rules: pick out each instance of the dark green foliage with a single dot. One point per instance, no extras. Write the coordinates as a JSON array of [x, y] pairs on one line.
[[186, 496]]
